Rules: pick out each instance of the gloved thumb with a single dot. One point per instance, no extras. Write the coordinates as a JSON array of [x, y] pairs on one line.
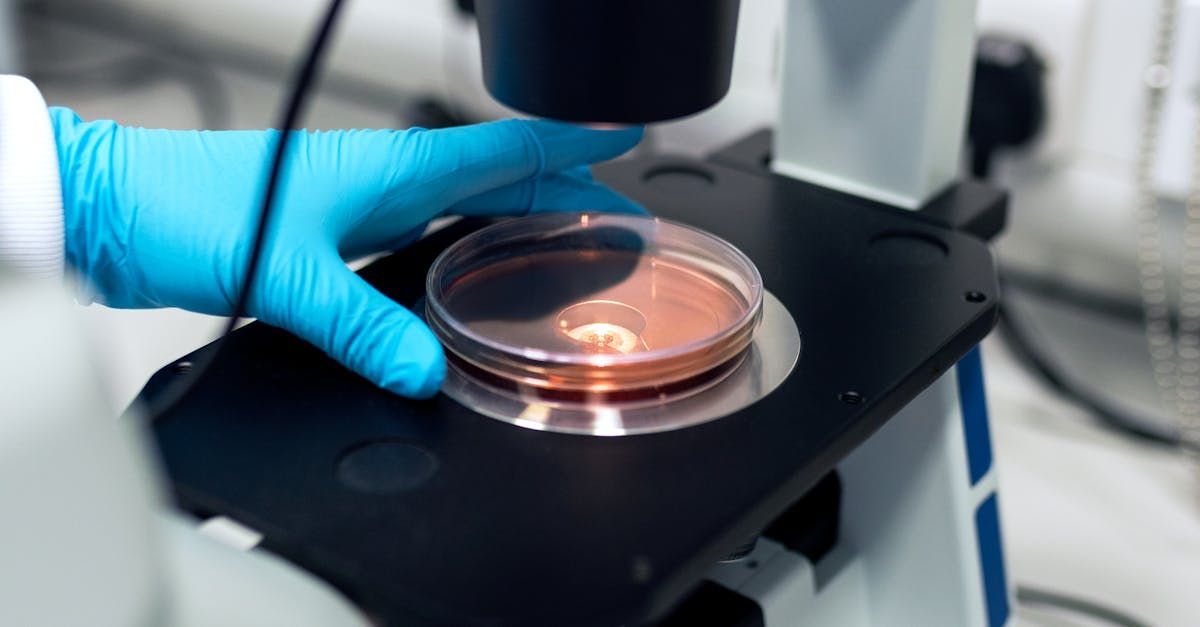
[[333, 308]]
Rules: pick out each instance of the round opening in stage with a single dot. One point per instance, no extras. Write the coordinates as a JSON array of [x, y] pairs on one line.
[[594, 309]]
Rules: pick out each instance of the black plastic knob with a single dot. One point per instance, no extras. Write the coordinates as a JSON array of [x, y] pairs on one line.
[[1008, 102]]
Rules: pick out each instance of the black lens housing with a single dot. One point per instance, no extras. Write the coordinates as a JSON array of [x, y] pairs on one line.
[[618, 61]]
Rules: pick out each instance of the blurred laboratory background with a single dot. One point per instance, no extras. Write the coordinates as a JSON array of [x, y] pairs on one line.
[[1070, 113]]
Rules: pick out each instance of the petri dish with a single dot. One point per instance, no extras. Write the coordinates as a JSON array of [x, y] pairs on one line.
[[594, 308]]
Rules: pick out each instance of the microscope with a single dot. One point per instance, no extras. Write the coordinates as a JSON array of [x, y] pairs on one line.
[[856, 488]]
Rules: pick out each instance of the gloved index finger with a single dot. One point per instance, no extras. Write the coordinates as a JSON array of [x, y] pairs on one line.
[[470, 160], [567, 145]]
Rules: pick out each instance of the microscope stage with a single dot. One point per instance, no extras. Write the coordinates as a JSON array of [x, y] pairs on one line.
[[425, 512]]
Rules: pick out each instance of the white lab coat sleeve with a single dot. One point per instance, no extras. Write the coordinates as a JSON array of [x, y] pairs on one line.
[[31, 208]]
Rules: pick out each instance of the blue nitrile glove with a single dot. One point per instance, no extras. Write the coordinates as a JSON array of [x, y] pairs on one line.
[[160, 218]]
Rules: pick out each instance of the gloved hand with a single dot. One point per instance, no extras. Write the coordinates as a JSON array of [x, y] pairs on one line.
[[160, 218]]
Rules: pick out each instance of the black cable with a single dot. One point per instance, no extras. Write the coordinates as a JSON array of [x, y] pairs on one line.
[[1020, 341], [298, 91], [1047, 288], [1037, 597]]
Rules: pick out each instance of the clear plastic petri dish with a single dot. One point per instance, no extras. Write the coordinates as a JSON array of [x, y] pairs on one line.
[[594, 308]]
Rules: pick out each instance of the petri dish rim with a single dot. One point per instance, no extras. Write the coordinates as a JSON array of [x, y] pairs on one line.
[[748, 318]]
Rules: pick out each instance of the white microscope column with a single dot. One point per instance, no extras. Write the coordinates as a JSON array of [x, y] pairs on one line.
[[875, 96]]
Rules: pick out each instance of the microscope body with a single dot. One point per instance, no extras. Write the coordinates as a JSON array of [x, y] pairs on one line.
[[875, 100], [860, 492]]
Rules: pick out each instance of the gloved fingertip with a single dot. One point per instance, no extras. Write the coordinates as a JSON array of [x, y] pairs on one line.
[[564, 193], [566, 145], [632, 208], [418, 372], [629, 131], [621, 138], [634, 133], [429, 384]]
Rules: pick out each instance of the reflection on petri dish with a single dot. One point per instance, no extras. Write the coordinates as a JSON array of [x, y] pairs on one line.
[[594, 307]]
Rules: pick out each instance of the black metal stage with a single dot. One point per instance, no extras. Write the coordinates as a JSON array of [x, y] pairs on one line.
[[449, 517]]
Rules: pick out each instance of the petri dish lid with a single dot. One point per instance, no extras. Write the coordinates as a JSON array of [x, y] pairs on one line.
[[594, 307]]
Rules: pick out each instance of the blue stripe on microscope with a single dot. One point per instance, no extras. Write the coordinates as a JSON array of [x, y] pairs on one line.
[[974, 415], [991, 561]]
